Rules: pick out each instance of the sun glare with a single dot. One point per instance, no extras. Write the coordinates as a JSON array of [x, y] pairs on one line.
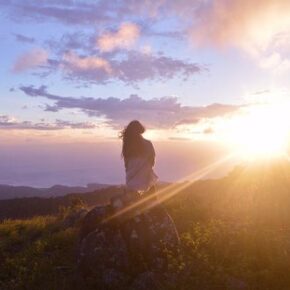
[[260, 131]]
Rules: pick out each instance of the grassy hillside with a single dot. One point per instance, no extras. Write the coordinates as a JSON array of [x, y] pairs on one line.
[[235, 234], [36, 254]]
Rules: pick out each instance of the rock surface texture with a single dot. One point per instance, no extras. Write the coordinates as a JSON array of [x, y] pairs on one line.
[[125, 244]]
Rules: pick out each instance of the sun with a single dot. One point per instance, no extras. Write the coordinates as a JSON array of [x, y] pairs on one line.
[[260, 131]]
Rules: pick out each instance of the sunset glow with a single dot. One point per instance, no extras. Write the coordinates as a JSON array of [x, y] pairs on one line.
[[206, 78], [260, 131], [145, 144]]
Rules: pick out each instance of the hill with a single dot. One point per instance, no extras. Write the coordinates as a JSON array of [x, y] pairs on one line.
[[234, 231], [10, 192], [21, 208]]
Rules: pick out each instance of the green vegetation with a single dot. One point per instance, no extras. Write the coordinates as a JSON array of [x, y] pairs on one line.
[[38, 253], [235, 231], [235, 234]]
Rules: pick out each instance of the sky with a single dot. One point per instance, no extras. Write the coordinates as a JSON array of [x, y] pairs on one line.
[[75, 72]]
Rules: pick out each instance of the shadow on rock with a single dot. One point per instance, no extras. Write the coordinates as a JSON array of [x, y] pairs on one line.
[[126, 249]]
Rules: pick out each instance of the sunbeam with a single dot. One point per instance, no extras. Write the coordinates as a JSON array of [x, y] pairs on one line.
[[171, 190]]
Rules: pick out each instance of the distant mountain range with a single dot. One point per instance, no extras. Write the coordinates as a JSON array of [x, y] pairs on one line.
[[25, 202], [11, 192]]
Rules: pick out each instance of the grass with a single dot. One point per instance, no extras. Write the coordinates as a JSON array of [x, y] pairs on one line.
[[37, 254], [235, 234]]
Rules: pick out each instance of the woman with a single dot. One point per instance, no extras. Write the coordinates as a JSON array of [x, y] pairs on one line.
[[151, 227], [139, 158]]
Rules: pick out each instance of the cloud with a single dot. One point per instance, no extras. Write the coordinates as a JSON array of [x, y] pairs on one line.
[[76, 40], [242, 22], [102, 14], [6, 120], [189, 121], [75, 125], [128, 66], [165, 112], [30, 60], [257, 27], [134, 67], [261, 27], [11, 123], [144, 66], [275, 61], [86, 42], [104, 54], [124, 37], [179, 138], [82, 12], [24, 39], [74, 62], [64, 11], [208, 131]]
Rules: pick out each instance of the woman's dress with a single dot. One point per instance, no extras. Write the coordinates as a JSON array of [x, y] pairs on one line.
[[139, 172]]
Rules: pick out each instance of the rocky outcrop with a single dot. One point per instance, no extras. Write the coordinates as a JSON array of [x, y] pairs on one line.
[[125, 246]]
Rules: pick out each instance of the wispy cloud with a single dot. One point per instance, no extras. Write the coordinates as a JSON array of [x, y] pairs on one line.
[[30, 60], [82, 12], [158, 113], [23, 38], [257, 27], [12, 123], [65, 11], [242, 22]]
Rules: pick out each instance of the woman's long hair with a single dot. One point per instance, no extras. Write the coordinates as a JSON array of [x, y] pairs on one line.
[[132, 140]]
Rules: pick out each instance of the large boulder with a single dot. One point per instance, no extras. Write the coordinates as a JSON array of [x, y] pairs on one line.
[[124, 246]]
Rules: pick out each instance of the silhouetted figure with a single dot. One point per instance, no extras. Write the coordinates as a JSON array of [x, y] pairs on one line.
[[139, 158]]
